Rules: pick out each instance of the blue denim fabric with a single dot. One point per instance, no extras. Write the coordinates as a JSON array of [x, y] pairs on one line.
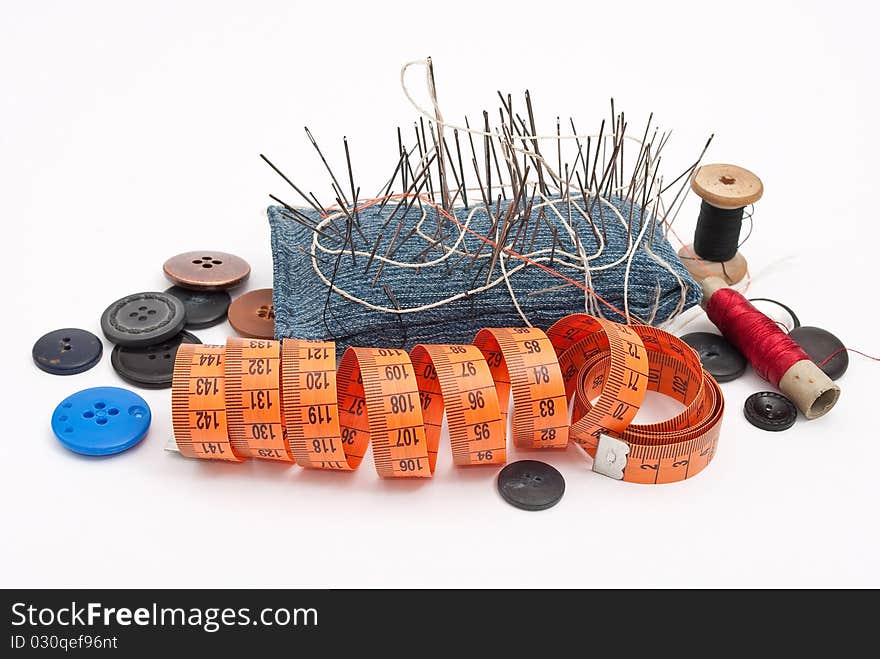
[[299, 295]]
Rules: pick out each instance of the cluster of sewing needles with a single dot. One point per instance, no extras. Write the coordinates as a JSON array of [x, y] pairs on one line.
[[512, 177]]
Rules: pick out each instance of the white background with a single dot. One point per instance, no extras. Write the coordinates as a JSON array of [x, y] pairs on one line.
[[131, 132]]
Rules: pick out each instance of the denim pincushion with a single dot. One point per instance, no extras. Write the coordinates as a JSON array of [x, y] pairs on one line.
[[657, 286]]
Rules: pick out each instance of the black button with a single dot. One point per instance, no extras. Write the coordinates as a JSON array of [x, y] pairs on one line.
[[819, 344], [151, 367], [531, 485], [203, 308], [717, 355], [67, 351], [768, 410], [143, 319]]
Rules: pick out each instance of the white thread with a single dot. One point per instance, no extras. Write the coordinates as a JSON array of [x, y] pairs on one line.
[[590, 306], [522, 136], [578, 261]]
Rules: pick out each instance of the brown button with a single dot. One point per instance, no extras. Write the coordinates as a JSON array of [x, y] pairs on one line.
[[207, 270], [253, 315], [727, 186]]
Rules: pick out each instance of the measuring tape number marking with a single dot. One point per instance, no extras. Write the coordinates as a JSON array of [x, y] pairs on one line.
[[288, 401], [198, 403]]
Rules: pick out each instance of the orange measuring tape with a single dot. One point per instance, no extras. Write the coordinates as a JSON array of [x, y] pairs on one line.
[[289, 401], [198, 403], [615, 365], [253, 399]]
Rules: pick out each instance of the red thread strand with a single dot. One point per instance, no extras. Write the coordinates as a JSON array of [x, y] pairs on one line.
[[840, 350], [770, 351]]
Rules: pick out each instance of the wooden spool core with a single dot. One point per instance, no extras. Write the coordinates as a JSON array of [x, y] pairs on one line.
[[727, 186], [732, 271]]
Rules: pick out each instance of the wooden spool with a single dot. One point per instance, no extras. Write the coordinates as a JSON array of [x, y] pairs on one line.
[[726, 187]]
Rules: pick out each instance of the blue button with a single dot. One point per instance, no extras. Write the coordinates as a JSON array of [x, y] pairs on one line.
[[101, 421]]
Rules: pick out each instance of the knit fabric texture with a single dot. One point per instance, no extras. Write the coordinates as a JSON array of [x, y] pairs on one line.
[[659, 285]]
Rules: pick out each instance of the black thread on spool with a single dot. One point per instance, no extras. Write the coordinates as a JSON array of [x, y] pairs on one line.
[[717, 235]]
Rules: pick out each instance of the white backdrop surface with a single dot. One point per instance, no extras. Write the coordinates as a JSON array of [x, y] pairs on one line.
[[131, 132]]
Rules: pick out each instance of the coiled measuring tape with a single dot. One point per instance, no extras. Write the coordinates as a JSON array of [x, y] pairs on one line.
[[289, 401], [615, 365]]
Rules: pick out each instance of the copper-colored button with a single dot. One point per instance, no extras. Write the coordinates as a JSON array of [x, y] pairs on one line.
[[253, 315], [207, 270]]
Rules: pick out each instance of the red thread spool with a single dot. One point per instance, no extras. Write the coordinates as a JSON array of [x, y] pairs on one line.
[[773, 355]]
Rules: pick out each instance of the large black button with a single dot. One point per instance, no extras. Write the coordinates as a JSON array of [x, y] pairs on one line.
[[717, 355], [67, 351], [151, 367], [819, 344], [203, 308], [769, 410], [143, 319], [531, 485]]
